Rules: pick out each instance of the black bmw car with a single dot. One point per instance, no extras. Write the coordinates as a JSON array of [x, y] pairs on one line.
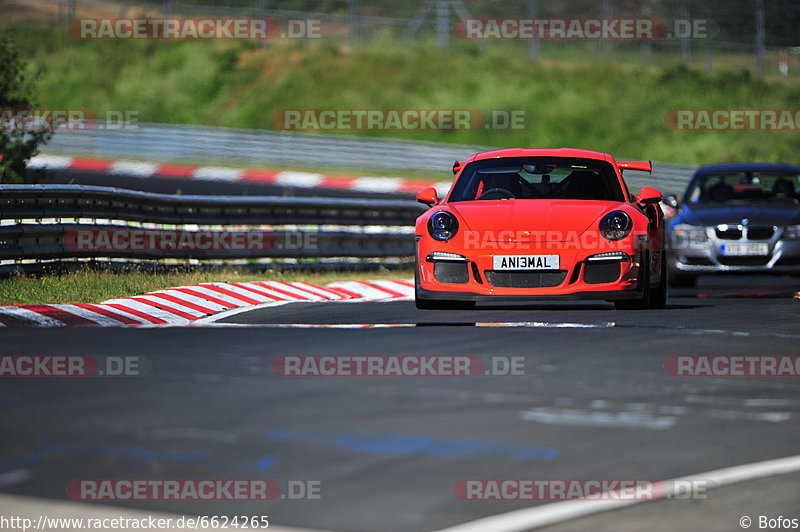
[[736, 218]]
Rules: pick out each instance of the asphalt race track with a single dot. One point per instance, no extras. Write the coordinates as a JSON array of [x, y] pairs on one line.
[[594, 402]]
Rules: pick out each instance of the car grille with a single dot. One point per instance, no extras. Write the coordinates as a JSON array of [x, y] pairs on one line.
[[601, 272], [760, 233], [731, 233], [451, 272], [525, 278], [753, 233], [743, 261]]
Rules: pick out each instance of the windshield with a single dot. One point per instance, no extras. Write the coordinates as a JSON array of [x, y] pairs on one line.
[[517, 178], [744, 187]]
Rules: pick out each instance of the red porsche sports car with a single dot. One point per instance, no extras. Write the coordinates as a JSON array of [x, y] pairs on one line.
[[526, 224]]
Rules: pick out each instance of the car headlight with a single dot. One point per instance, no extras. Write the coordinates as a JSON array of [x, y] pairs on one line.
[[692, 233], [616, 225], [792, 232], [442, 226]]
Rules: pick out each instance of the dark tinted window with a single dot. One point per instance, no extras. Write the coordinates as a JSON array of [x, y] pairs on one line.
[[744, 187], [531, 178]]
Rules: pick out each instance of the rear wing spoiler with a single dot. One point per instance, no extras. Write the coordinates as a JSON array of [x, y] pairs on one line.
[[641, 166]]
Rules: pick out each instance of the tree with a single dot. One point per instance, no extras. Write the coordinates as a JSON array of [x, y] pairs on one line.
[[18, 142]]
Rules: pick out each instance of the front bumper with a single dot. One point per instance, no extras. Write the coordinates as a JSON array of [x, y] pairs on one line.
[[473, 278], [575, 296], [783, 256]]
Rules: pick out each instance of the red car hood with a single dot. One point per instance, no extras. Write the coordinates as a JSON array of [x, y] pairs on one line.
[[494, 216]]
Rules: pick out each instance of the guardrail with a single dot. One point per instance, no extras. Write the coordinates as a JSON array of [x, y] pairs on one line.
[[70, 221], [255, 147], [268, 149]]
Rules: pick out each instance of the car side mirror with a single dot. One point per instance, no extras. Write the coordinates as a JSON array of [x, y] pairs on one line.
[[649, 195], [671, 200], [428, 197], [457, 166]]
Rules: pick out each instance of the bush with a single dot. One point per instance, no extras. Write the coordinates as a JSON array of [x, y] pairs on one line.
[[16, 145]]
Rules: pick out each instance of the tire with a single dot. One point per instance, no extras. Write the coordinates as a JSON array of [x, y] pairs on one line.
[[644, 301], [682, 280]]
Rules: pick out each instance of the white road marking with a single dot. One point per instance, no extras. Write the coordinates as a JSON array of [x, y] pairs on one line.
[[771, 417], [559, 512], [133, 168], [593, 418], [235, 311], [299, 179], [377, 184], [218, 173], [50, 162], [547, 325], [15, 476]]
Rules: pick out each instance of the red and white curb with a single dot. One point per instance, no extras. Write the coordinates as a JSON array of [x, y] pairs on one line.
[[287, 178], [187, 304]]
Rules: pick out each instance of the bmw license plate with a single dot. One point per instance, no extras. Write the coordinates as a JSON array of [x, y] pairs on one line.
[[744, 248], [525, 262]]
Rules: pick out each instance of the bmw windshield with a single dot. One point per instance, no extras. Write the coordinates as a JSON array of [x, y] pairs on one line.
[[745, 187]]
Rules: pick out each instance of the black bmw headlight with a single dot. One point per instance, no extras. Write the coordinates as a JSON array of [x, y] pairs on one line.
[[616, 225], [442, 226]]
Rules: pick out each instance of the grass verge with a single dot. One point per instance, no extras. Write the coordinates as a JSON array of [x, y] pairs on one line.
[[588, 104]]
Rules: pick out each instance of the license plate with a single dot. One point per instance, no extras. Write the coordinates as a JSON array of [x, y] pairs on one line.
[[525, 262], [738, 249]]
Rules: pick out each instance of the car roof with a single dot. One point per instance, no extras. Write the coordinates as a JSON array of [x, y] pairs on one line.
[[745, 167], [548, 152]]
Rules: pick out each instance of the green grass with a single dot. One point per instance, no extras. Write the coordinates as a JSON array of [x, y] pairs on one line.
[[98, 286], [578, 103]]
